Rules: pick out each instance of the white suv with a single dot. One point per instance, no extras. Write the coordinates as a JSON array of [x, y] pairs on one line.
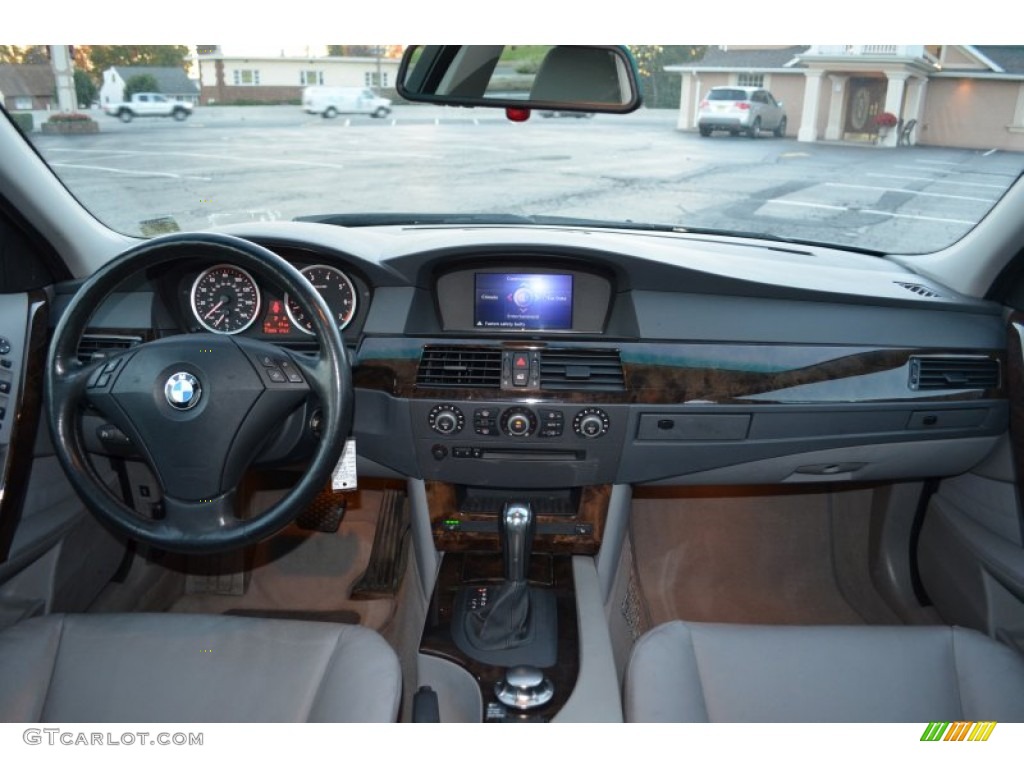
[[741, 109]]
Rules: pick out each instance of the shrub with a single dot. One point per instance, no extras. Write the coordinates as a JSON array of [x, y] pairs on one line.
[[24, 121], [69, 117]]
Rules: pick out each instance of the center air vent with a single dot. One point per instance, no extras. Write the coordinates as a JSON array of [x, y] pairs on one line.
[[581, 370], [94, 347], [953, 373], [445, 367]]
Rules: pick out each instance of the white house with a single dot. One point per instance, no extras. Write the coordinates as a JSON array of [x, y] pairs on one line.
[[229, 79]]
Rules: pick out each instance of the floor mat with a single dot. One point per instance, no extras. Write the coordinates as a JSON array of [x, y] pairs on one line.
[[300, 571], [761, 559]]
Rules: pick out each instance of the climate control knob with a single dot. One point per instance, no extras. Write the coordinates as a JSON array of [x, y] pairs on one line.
[[446, 419], [591, 422], [518, 422]]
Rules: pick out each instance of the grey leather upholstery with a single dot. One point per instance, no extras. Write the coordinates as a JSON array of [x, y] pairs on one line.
[[688, 672], [194, 668]]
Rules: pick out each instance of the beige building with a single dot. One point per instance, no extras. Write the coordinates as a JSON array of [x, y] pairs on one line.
[[280, 79], [27, 86], [957, 95]]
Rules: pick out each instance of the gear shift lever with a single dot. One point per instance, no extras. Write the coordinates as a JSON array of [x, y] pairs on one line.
[[511, 623], [516, 526]]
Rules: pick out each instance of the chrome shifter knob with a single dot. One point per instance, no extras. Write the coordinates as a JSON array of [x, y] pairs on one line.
[[517, 535]]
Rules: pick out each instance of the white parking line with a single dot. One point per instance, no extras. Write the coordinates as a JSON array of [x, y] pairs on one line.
[[1000, 187], [911, 192], [131, 173], [936, 162], [966, 171], [868, 210], [207, 156]]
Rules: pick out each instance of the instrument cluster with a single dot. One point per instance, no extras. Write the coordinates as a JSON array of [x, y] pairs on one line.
[[227, 299]]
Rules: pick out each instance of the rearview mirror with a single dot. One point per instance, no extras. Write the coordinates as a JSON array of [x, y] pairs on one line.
[[584, 78]]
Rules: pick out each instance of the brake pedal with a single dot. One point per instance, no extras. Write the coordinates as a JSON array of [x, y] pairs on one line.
[[324, 513]]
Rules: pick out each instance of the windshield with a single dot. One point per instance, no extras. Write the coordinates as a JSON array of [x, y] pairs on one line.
[[886, 148]]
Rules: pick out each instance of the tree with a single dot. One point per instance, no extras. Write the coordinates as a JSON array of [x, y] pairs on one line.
[[85, 89], [24, 54], [661, 88], [140, 84], [353, 50], [102, 57]]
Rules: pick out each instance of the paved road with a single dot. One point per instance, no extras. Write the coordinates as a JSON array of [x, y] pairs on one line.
[[229, 164]]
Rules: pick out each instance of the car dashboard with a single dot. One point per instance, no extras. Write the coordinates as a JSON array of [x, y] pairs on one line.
[[565, 358]]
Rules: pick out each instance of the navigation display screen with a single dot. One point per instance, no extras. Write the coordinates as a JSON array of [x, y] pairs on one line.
[[527, 302]]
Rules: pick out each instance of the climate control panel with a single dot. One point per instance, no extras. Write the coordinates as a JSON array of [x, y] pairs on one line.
[[520, 444], [520, 421]]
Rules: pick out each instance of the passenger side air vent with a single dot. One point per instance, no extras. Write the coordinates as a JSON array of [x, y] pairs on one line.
[[94, 347], [953, 373], [921, 290], [445, 367], [581, 370]]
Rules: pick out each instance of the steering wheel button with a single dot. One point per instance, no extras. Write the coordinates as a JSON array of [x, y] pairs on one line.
[[267, 361], [290, 372], [276, 375], [112, 366]]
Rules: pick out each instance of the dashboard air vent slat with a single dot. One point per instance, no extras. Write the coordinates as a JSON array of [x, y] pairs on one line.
[[95, 346], [586, 370], [445, 367], [953, 373], [921, 290]]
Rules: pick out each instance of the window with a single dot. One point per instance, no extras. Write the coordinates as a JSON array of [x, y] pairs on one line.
[[246, 77], [750, 80], [370, 79], [23, 102], [311, 77]]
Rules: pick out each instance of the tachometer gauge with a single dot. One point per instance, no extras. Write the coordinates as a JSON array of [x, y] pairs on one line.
[[225, 299], [337, 291]]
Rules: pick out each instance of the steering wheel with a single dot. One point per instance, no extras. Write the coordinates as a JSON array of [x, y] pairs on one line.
[[199, 407]]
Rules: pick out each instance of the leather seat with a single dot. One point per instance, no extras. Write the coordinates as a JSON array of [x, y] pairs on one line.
[[688, 672], [194, 668]]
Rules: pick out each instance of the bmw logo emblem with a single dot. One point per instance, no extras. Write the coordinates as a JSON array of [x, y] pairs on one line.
[[182, 391]]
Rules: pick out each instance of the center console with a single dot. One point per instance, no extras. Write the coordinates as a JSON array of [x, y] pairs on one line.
[[504, 607]]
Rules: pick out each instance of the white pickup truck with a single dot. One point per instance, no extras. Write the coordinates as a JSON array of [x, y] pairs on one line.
[[148, 105]]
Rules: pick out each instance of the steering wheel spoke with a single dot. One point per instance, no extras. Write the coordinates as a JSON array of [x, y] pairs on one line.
[[201, 518], [199, 407]]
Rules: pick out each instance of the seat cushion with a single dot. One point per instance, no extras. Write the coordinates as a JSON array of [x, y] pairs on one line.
[[689, 672], [194, 668]]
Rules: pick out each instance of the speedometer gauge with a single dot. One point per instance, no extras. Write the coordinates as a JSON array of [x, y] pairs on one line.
[[225, 299], [337, 291]]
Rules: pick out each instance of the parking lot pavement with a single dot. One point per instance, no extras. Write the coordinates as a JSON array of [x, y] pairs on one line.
[[231, 164]]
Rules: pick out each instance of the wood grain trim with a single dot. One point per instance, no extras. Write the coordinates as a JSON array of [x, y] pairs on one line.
[[442, 501], [662, 374]]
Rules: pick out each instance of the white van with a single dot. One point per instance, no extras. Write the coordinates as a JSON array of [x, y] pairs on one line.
[[330, 102]]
